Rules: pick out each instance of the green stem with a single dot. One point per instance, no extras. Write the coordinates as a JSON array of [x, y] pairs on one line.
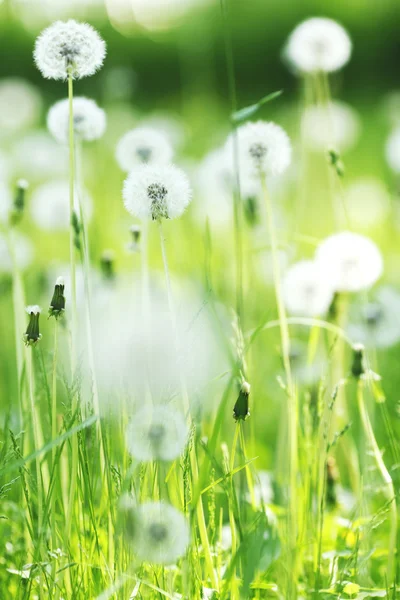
[[71, 215], [38, 443], [386, 478], [201, 522]]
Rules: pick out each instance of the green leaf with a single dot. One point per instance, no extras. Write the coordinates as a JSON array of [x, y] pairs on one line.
[[245, 113]]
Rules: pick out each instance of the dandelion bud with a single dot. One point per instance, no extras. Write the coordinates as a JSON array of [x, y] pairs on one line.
[[32, 334], [19, 201], [57, 304], [136, 231], [336, 162], [241, 408], [77, 230], [107, 264], [357, 367]]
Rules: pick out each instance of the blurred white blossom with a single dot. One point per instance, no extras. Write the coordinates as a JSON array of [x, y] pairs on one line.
[[89, 120], [307, 289], [367, 202], [37, 156], [23, 249], [336, 125], [143, 145], [20, 105], [377, 323], [393, 150], [49, 205]]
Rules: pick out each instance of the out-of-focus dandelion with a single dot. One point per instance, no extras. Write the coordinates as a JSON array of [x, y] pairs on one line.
[[336, 125], [318, 44], [305, 372], [241, 409], [157, 531], [264, 149], [157, 433], [307, 289], [23, 251], [353, 261], [18, 205], [69, 47], [213, 180], [377, 323], [20, 105], [107, 261], [392, 150], [143, 146], [57, 304], [37, 156], [32, 334], [157, 192], [134, 244], [89, 120], [50, 206], [367, 202], [6, 202]]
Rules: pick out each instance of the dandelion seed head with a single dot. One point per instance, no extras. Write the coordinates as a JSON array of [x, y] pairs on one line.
[[367, 202], [160, 533], [155, 192], [377, 323], [89, 120], [307, 289], [318, 44], [69, 45], [6, 202], [264, 148], [336, 125], [353, 261], [33, 309], [49, 205], [159, 433], [38, 156], [60, 281], [143, 145], [20, 105], [23, 253]]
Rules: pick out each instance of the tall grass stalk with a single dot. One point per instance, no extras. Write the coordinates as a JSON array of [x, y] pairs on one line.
[[201, 522]]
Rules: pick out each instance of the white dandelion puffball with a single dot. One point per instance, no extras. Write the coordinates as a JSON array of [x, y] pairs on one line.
[[353, 261], [157, 433], [37, 156], [23, 253], [264, 148], [49, 205], [20, 105], [318, 44], [69, 45], [392, 150], [307, 289], [143, 145], [377, 324], [367, 202], [159, 533], [157, 192], [89, 120], [213, 182], [6, 202], [336, 125]]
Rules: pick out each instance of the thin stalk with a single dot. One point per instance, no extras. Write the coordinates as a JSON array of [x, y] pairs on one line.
[[71, 216], [38, 443], [201, 522], [290, 391], [369, 433], [249, 476]]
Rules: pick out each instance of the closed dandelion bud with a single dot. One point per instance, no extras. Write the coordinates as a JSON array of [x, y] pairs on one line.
[[57, 304], [136, 231], [241, 408], [107, 264], [19, 201], [32, 334], [336, 162], [357, 367]]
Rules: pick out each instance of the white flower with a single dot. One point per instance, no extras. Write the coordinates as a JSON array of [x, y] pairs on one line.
[[89, 120], [307, 289], [158, 532], [353, 261], [20, 105], [33, 309], [378, 322], [157, 192], [37, 156], [263, 148], [23, 253], [214, 184], [335, 125], [157, 433], [143, 145], [68, 44], [393, 150], [318, 44], [367, 202], [49, 205]]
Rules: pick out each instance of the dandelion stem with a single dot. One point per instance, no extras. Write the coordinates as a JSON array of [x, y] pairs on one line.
[[385, 476], [71, 216], [38, 443]]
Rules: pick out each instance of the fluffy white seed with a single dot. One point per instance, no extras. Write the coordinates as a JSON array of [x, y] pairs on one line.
[[23, 253], [353, 261], [89, 120], [377, 324], [155, 192], [143, 145], [264, 148], [20, 105], [307, 289], [336, 125], [318, 44], [37, 156], [49, 206], [157, 433], [69, 45], [33, 309]]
